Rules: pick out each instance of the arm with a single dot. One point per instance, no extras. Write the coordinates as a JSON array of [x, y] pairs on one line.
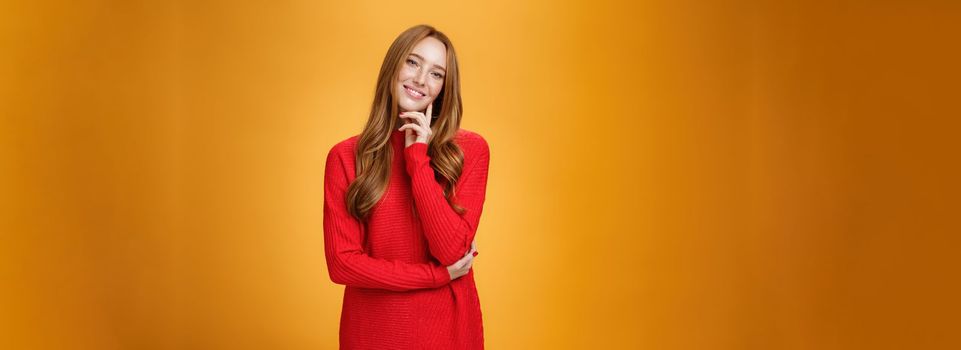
[[347, 263], [449, 235]]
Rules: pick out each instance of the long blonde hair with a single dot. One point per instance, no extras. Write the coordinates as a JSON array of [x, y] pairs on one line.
[[373, 153]]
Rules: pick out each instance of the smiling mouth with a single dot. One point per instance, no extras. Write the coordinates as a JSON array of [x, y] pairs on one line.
[[414, 92]]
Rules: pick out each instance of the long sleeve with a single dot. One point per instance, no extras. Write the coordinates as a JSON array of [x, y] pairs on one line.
[[449, 234], [347, 262]]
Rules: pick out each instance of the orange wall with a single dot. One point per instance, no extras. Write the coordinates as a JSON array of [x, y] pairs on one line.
[[664, 174]]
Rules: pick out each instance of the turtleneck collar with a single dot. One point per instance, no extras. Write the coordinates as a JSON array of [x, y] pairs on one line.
[[397, 136]]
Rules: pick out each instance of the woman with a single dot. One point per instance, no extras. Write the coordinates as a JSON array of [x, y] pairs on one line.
[[402, 201]]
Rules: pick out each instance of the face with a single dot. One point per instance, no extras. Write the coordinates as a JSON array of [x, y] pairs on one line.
[[421, 75]]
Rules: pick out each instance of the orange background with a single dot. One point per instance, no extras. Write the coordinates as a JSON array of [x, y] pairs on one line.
[[664, 174]]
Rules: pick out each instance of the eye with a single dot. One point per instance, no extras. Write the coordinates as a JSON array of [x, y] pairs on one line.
[[437, 75], [411, 62]]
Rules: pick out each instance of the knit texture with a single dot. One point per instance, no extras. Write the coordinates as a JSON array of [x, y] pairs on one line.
[[398, 293]]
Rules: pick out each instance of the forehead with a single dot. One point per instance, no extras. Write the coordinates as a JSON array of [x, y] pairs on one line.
[[431, 50]]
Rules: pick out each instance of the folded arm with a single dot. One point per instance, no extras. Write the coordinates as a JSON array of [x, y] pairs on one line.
[[449, 234]]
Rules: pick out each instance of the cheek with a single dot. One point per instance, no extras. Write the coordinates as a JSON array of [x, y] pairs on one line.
[[404, 74], [399, 82], [436, 87]]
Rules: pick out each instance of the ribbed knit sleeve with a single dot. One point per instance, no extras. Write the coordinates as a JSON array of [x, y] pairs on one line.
[[449, 235], [347, 262]]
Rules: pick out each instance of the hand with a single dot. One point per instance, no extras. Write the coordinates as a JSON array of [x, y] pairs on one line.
[[462, 266], [418, 127]]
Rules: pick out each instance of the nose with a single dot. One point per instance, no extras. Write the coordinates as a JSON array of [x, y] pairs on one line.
[[421, 77]]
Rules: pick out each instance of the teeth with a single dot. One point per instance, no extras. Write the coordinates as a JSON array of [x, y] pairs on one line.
[[414, 91]]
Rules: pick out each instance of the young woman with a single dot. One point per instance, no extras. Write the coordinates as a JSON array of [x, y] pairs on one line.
[[402, 201]]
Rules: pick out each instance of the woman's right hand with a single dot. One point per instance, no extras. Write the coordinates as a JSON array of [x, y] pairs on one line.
[[462, 266]]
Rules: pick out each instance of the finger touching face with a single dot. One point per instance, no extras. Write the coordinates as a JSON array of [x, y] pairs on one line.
[[421, 75]]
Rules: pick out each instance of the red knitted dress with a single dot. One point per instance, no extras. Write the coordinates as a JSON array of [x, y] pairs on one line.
[[398, 292]]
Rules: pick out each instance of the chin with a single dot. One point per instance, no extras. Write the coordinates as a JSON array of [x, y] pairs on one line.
[[408, 105]]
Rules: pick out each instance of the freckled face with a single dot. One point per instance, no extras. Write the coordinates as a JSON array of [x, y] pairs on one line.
[[421, 75]]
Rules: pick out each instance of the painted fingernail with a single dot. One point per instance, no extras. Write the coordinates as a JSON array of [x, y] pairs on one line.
[[475, 253]]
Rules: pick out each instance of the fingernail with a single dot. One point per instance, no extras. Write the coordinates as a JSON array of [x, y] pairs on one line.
[[475, 253]]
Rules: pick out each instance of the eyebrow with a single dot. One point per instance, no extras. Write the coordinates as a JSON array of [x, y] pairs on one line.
[[422, 59]]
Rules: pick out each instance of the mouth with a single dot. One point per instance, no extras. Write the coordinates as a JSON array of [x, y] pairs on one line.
[[417, 94]]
